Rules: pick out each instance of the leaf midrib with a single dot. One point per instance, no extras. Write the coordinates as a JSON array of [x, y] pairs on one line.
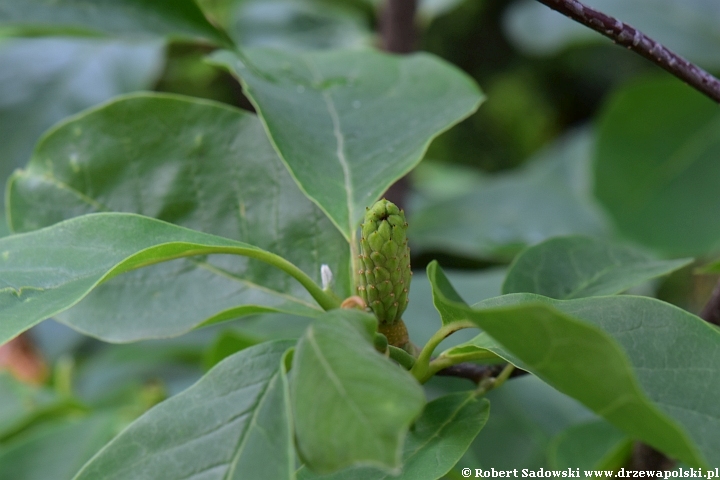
[[224, 273], [246, 433], [200, 264], [339, 143], [334, 378], [441, 428]]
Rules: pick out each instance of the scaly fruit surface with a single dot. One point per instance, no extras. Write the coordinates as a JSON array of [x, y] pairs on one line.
[[384, 275]]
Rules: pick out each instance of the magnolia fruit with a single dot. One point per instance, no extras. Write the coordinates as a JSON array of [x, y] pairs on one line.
[[384, 275]]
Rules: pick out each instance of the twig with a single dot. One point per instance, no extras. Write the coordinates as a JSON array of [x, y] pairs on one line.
[[477, 373], [398, 34], [397, 26], [711, 312], [627, 36], [646, 458]]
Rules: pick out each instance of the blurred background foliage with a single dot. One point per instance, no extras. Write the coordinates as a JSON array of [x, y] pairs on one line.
[[576, 136]]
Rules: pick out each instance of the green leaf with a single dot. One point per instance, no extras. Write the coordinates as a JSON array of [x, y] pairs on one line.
[[226, 344], [436, 441], [45, 80], [442, 293], [57, 450], [472, 349], [235, 420], [575, 267], [613, 355], [297, 25], [348, 124], [81, 253], [526, 414], [194, 163], [365, 404], [594, 445], [656, 163], [131, 18], [689, 28], [506, 212], [422, 318]]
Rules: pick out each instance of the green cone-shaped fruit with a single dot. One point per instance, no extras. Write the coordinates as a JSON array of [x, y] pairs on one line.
[[384, 275]]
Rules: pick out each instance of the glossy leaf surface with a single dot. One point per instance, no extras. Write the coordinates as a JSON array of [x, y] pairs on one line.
[[592, 445], [575, 267], [612, 354], [80, 253], [435, 443], [658, 182], [235, 420], [526, 415], [43, 80], [193, 163], [57, 450], [296, 25], [366, 404], [350, 123], [132, 18]]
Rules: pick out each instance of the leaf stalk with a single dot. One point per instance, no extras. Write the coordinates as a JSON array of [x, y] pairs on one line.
[[422, 365]]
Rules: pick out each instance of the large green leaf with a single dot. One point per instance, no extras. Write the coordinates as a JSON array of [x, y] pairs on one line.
[[45, 80], [656, 166], [350, 123], [526, 415], [436, 442], [506, 212], [689, 27], [80, 253], [132, 18], [592, 445], [57, 450], [193, 163], [296, 24], [352, 405], [235, 420], [616, 355], [575, 267]]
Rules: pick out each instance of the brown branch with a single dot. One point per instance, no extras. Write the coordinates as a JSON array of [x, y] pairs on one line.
[[476, 373], [627, 36], [398, 34], [646, 458], [711, 312], [397, 26]]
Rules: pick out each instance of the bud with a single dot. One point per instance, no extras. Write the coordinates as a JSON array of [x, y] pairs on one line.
[[384, 274], [326, 276]]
